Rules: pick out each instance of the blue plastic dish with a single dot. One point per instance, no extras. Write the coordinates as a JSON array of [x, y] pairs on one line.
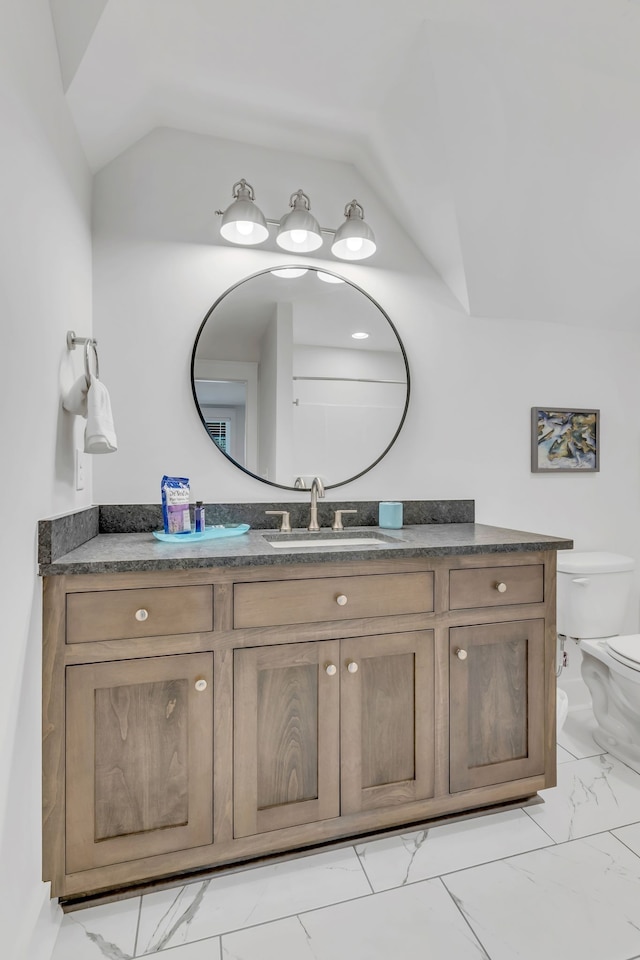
[[209, 533]]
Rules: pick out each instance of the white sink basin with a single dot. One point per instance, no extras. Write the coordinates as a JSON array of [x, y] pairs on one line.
[[329, 542], [328, 539]]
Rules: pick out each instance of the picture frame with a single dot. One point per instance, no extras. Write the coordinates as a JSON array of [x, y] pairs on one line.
[[565, 440]]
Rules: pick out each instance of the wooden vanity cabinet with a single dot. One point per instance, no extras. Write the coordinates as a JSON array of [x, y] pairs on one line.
[[387, 721], [195, 718], [331, 728], [496, 707], [139, 758]]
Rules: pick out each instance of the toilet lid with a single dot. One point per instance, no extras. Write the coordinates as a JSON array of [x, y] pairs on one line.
[[626, 649]]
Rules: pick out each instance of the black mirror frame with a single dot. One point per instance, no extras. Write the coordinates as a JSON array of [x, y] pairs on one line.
[[259, 273]]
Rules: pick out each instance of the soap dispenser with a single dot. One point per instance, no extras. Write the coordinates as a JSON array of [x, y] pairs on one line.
[[390, 515]]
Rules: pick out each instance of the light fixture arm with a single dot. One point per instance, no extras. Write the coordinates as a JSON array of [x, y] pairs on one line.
[[242, 190], [354, 210], [299, 201]]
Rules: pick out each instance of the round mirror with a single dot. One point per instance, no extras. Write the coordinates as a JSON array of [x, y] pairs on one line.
[[298, 373]]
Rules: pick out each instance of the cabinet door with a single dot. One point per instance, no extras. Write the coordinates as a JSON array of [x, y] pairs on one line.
[[286, 742], [496, 703], [139, 758], [387, 715]]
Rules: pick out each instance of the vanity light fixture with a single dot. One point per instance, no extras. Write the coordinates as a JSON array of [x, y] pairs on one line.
[[298, 231]]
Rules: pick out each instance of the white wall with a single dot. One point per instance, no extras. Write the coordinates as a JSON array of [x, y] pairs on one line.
[[45, 289], [158, 269]]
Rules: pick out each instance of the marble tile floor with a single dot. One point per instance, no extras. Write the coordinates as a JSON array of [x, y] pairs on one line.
[[555, 880]]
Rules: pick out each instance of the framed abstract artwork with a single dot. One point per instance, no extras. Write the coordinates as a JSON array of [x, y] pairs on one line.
[[565, 441]]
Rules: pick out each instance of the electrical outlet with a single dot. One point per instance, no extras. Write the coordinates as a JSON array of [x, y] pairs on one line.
[[80, 469]]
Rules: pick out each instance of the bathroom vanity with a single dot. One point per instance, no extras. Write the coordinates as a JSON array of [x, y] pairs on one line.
[[212, 704]]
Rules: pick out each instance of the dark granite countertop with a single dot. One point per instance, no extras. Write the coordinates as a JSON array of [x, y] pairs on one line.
[[131, 552]]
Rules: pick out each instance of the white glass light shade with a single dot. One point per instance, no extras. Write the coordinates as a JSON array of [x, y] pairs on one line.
[[290, 273], [355, 239], [299, 231], [242, 221], [328, 277]]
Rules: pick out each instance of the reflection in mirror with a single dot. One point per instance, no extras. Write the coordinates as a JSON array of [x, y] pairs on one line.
[[295, 378], [224, 407]]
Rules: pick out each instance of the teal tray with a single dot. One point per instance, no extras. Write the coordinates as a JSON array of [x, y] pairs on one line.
[[209, 533]]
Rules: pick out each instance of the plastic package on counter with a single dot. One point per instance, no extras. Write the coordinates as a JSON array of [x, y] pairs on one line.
[[175, 504]]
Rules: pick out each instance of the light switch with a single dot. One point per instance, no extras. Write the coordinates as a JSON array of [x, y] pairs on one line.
[[80, 455]]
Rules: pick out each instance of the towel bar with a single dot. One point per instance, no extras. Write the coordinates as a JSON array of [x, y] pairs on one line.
[[72, 343]]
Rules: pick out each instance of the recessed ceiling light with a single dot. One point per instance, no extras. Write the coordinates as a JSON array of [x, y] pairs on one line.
[[329, 277], [360, 336], [290, 272]]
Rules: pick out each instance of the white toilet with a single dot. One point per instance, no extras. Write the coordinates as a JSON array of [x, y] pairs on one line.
[[593, 590]]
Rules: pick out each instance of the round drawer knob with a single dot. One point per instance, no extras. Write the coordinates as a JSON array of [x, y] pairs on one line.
[[142, 615], [501, 587], [331, 669], [461, 654], [201, 685], [352, 667], [341, 600]]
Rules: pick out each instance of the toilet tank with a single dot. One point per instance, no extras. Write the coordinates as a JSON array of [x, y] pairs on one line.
[[593, 590]]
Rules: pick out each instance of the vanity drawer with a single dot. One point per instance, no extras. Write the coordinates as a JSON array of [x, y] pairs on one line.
[[131, 614], [496, 586], [281, 602]]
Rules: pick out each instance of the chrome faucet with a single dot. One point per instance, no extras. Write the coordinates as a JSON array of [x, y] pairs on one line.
[[317, 490]]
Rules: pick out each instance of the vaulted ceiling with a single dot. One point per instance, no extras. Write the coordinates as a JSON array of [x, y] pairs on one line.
[[506, 133]]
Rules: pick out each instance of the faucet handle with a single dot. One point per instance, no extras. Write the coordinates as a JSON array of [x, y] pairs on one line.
[[337, 519], [285, 525]]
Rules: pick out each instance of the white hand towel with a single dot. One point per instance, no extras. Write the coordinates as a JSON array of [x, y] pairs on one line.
[[99, 434], [75, 399]]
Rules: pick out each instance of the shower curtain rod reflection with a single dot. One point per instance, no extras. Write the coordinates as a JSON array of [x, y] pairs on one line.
[[353, 380]]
